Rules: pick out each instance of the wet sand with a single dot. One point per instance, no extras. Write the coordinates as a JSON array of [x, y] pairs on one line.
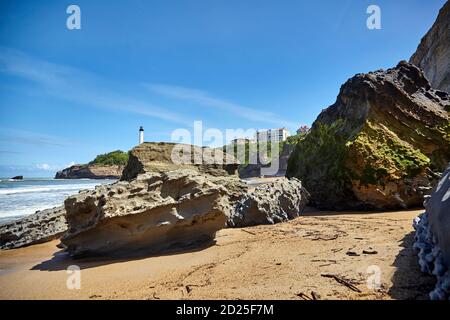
[[323, 255]]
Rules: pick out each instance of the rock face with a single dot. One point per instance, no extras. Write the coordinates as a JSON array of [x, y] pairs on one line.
[[271, 203], [154, 212], [381, 145], [90, 171], [162, 210], [17, 178], [254, 170], [40, 227], [158, 157], [432, 239], [433, 53]]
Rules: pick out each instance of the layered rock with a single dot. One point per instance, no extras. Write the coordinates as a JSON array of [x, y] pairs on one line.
[[40, 227], [163, 157], [270, 203], [173, 209], [433, 52], [381, 145], [154, 212], [432, 239], [90, 171]]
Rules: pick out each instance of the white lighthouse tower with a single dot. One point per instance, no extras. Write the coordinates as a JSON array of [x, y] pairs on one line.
[[141, 135]]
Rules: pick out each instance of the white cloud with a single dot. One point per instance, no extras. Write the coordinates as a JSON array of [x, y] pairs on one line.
[[205, 99], [45, 166], [9, 135], [69, 165], [79, 86]]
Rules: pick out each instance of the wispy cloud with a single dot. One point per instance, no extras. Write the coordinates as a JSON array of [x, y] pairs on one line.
[[10, 152], [203, 98], [79, 86], [8, 135]]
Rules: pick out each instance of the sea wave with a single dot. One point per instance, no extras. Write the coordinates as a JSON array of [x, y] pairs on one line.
[[54, 188]]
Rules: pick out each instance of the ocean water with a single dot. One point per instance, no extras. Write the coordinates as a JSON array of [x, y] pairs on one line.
[[24, 197]]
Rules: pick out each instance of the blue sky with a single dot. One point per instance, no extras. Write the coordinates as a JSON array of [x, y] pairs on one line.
[[68, 95]]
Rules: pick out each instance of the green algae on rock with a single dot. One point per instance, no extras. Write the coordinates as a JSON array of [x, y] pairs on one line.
[[382, 145]]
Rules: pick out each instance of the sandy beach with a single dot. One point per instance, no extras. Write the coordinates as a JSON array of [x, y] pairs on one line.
[[304, 258]]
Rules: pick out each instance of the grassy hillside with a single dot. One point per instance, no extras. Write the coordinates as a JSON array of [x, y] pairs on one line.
[[117, 157]]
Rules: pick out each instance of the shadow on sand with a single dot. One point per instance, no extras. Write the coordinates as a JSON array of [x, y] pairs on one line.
[[408, 282], [314, 212], [61, 260]]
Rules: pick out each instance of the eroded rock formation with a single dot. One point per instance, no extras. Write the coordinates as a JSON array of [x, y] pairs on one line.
[[432, 239], [381, 145], [270, 203], [433, 53], [156, 211], [45, 225], [162, 210]]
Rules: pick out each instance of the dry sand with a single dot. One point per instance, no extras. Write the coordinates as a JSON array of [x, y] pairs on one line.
[[283, 261]]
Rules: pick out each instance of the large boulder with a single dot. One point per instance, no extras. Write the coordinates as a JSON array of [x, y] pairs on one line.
[[381, 145], [164, 156], [270, 203], [432, 239], [433, 53], [45, 225], [161, 210], [154, 212]]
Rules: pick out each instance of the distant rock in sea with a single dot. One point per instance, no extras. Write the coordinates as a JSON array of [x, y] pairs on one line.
[[90, 171], [433, 53], [17, 178], [381, 145]]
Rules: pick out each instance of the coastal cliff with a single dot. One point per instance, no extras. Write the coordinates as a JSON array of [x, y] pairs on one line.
[[88, 171], [381, 145], [160, 156], [433, 52], [104, 166]]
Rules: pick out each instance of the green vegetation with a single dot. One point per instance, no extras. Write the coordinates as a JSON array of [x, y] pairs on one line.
[[320, 154], [384, 154], [117, 157], [249, 151]]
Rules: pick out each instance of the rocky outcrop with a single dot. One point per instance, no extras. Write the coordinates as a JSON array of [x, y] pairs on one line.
[[381, 145], [90, 171], [255, 170], [17, 178], [163, 157], [40, 227], [433, 53], [269, 204], [432, 239], [154, 212], [162, 210]]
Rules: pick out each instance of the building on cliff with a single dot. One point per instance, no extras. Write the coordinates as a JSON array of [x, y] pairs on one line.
[[280, 134]]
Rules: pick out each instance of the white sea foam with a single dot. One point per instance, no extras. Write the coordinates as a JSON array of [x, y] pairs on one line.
[[54, 188], [25, 197]]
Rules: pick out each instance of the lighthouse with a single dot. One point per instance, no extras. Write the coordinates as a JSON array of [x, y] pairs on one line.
[[141, 135]]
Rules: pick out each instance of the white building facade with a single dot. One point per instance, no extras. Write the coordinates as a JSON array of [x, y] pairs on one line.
[[280, 134]]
